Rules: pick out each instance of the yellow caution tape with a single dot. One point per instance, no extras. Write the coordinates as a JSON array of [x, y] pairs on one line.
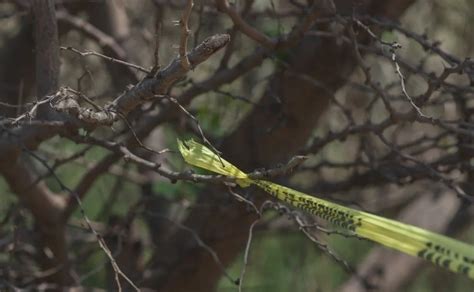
[[438, 249]]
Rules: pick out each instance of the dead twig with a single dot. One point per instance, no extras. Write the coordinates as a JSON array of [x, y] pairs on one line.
[[185, 32], [244, 27], [110, 59]]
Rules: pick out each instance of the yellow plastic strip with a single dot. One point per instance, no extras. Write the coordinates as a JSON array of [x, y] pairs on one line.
[[438, 249]]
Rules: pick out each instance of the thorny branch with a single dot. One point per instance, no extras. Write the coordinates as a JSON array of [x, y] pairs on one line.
[[386, 140], [185, 32], [110, 59]]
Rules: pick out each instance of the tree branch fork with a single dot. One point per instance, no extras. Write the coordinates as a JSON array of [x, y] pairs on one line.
[[81, 112], [64, 112]]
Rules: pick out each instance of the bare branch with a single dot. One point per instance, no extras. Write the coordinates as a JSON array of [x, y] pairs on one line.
[[110, 59], [252, 33], [185, 32], [149, 88], [146, 90]]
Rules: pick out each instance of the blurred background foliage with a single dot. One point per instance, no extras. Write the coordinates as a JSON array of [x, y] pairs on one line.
[[282, 259]]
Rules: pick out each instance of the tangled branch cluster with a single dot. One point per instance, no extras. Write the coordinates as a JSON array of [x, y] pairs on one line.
[[381, 118]]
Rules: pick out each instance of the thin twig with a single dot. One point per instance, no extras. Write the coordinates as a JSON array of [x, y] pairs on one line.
[[185, 32], [244, 27], [200, 243], [246, 254], [99, 238], [196, 121], [110, 59]]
